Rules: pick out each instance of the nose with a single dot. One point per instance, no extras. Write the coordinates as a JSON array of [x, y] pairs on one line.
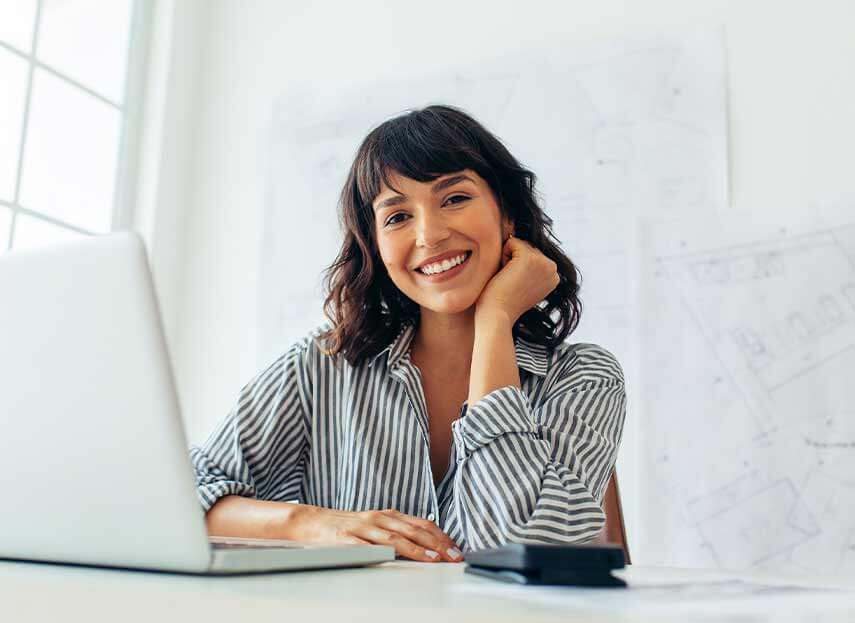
[[431, 229]]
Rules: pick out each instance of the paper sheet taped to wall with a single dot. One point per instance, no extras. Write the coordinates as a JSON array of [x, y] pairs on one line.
[[748, 346]]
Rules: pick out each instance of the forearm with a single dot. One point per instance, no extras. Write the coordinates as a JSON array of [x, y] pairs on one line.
[[234, 515], [536, 472], [494, 362], [512, 485], [412, 537], [511, 491]]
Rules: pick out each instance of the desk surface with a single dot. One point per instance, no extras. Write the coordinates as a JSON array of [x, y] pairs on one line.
[[407, 592]]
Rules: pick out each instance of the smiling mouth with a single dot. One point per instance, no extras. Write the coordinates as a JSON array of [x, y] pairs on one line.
[[446, 273]]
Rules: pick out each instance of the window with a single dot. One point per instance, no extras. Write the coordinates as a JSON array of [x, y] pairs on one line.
[[64, 117]]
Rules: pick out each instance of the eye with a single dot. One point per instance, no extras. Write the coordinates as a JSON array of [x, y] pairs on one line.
[[452, 200], [390, 221], [455, 199]]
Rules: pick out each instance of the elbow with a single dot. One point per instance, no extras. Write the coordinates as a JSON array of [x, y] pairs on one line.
[[575, 525]]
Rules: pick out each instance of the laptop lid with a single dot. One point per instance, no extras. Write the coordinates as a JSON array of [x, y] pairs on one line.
[[93, 458]]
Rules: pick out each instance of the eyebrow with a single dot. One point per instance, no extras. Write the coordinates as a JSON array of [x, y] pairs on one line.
[[438, 187]]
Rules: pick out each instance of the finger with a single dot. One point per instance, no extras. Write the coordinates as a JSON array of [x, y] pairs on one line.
[[424, 524], [511, 247], [507, 253], [418, 535], [443, 543], [434, 529], [403, 546]]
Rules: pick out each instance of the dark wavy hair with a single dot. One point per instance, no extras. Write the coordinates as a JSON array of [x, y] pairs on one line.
[[366, 310]]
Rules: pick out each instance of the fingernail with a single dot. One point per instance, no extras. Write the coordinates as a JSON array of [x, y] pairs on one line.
[[431, 554], [454, 552]]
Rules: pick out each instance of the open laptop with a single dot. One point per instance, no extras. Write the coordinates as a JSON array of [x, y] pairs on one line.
[[94, 463]]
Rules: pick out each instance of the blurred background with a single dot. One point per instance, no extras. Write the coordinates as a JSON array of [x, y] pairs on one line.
[[697, 158]]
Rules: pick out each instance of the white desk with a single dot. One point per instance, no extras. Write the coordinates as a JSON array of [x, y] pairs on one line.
[[399, 591]]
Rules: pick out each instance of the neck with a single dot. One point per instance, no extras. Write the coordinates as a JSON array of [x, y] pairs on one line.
[[446, 337]]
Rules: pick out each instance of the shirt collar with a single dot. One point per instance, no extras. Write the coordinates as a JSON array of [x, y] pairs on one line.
[[399, 346], [531, 357]]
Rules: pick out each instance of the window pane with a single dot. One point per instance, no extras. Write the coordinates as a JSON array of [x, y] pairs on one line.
[[87, 40], [31, 233], [70, 156], [5, 225], [16, 23], [13, 77]]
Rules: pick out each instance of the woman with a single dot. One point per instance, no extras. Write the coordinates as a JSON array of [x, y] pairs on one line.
[[440, 410]]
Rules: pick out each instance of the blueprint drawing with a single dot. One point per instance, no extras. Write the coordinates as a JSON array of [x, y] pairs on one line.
[[748, 344]]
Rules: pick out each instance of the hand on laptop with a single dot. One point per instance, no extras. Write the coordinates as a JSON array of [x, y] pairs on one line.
[[412, 537]]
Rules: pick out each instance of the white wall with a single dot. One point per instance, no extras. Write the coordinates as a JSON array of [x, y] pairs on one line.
[[168, 146], [791, 93]]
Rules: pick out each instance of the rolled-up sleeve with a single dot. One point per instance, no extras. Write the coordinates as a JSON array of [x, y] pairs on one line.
[[538, 474], [256, 450]]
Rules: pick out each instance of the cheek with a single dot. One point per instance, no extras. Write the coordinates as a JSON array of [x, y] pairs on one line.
[[392, 257], [490, 246]]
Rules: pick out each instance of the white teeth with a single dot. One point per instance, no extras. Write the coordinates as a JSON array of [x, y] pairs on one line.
[[441, 267]]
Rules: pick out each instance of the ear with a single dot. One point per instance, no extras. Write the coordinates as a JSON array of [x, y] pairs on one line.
[[507, 228]]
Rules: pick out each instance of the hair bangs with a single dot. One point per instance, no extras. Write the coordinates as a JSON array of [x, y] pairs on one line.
[[420, 146]]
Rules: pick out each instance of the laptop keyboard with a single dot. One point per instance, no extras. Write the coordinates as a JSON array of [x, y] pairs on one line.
[[237, 543], [254, 546]]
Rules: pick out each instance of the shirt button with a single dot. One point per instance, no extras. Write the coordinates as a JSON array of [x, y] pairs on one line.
[[431, 516]]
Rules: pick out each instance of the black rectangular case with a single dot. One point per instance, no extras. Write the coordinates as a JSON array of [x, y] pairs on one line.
[[579, 565]]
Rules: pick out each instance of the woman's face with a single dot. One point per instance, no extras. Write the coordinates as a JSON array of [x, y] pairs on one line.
[[455, 216]]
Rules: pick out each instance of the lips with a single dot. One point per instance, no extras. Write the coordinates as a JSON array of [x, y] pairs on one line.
[[440, 258], [448, 274]]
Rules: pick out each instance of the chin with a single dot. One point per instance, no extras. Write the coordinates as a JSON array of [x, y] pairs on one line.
[[449, 305]]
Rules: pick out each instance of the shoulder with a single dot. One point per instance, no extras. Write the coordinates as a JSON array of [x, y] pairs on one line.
[[304, 352], [584, 364], [311, 353]]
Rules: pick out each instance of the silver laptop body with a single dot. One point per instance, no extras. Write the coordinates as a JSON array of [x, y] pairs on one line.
[[94, 464]]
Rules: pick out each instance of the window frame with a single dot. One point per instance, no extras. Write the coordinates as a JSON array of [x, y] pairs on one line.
[[130, 111]]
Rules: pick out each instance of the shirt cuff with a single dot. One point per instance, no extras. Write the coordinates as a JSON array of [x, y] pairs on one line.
[[209, 494], [501, 412]]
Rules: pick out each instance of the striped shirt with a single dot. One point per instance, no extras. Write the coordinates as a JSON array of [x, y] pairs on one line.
[[526, 466]]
